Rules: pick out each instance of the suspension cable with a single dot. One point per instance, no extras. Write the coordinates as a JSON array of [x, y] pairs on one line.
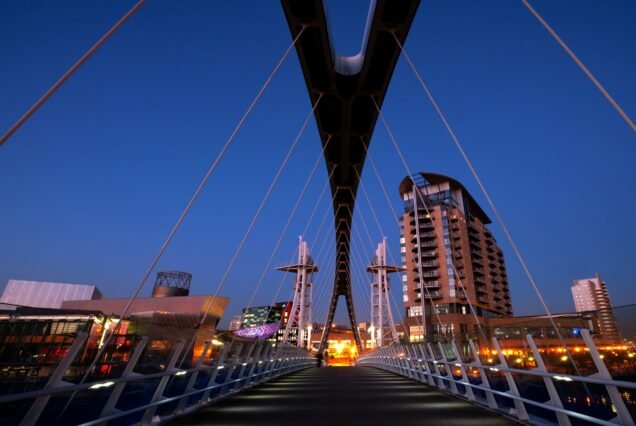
[[253, 222], [581, 65], [186, 210], [402, 274], [14, 128], [377, 222], [417, 319], [425, 290], [437, 231], [311, 217], [490, 203], [291, 216]]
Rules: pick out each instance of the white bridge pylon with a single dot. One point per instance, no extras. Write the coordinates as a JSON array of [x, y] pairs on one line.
[[382, 329], [300, 321]]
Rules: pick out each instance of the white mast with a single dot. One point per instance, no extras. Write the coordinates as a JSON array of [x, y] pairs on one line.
[[382, 327], [300, 315]]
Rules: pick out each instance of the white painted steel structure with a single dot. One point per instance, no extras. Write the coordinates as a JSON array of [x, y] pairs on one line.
[[382, 329], [300, 315], [253, 362], [434, 367]]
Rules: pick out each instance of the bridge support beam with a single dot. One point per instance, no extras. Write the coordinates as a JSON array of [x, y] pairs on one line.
[[349, 85]]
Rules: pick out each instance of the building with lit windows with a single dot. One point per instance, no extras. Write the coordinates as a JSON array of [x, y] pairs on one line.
[[451, 258], [259, 315], [256, 318], [590, 294]]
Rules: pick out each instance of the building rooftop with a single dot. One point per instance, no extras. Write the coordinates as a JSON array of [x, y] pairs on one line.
[[406, 186]]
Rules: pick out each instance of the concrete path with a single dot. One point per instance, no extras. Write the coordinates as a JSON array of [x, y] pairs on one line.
[[342, 396]]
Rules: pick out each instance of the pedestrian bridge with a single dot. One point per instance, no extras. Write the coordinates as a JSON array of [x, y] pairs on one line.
[[346, 396]]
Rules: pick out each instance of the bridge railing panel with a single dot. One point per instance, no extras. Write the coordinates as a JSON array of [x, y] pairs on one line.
[[134, 397], [531, 395]]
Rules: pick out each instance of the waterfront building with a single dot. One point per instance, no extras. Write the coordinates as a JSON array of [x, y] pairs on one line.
[[42, 294], [33, 340], [451, 258], [590, 294]]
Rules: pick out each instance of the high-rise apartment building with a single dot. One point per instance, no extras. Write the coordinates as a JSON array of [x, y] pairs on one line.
[[590, 294], [451, 251]]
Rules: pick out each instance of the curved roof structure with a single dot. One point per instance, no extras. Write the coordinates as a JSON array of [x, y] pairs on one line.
[[406, 186], [346, 114]]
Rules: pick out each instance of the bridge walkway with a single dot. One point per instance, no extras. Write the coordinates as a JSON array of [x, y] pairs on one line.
[[342, 396]]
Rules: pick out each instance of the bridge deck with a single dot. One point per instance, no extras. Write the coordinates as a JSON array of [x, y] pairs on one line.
[[342, 396]]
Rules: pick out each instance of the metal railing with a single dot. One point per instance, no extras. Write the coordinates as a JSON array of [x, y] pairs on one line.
[[135, 398], [443, 368]]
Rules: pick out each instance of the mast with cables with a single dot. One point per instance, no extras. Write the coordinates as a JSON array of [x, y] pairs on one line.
[[382, 328], [299, 323]]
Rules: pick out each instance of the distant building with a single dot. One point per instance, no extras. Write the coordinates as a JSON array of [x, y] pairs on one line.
[[448, 245], [235, 324], [590, 294], [259, 315], [41, 294], [33, 339]]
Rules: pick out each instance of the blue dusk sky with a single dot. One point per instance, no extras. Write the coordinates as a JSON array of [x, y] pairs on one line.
[[92, 184]]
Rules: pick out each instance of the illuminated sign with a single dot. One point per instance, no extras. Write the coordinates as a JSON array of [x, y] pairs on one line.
[[264, 331]]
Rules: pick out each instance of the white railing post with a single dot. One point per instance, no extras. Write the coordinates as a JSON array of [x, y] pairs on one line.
[[54, 381], [193, 378], [158, 394], [458, 358], [254, 362], [520, 408], [426, 364], [113, 398], [244, 363], [485, 382], [622, 412], [555, 399], [440, 382], [449, 369], [212, 380], [409, 362]]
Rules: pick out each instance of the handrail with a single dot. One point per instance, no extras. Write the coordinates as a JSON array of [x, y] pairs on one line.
[[418, 361], [259, 362]]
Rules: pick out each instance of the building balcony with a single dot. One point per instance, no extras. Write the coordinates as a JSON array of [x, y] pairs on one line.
[[479, 271], [423, 221], [481, 289], [429, 254], [428, 285], [428, 244], [430, 294], [427, 276], [458, 255], [427, 235], [483, 300]]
